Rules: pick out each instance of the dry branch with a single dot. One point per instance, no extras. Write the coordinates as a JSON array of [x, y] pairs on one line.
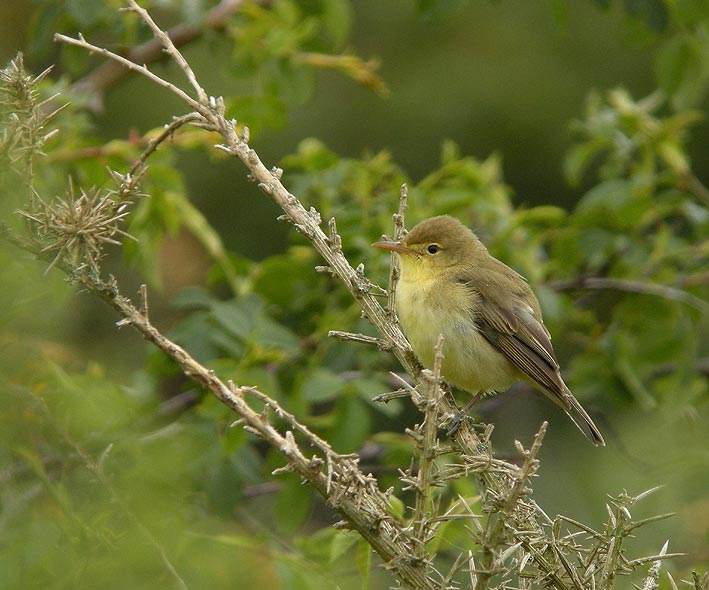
[[341, 483], [336, 477], [109, 73], [362, 504]]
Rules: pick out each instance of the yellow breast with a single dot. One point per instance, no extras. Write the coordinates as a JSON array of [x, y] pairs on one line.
[[430, 306]]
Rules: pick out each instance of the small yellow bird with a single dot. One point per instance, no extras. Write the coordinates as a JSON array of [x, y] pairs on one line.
[[487, 313]]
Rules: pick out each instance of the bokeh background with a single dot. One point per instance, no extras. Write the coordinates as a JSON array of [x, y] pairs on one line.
[[504, 78]]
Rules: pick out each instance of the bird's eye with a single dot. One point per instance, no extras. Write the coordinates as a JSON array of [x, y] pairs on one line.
[[433, 248]]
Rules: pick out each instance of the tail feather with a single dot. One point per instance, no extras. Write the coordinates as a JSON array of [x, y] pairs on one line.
[[583, 421], [561, 395]]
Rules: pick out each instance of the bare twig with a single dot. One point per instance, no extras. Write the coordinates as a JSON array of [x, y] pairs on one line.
[[400, 216], [81, 42], [166, 133], [390, 395], [109, 73], [362, 338], [171, 49], [505, 501], [399, 233], [342, 484], [605, 283], [428, 451]]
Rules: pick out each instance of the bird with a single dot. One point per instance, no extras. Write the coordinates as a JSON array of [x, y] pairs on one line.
[[491, 321]]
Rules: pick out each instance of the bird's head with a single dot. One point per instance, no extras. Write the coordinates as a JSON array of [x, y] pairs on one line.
[[435, 246]]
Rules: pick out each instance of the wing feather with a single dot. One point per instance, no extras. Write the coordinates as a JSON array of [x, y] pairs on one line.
[[522, 338], [515, 329]]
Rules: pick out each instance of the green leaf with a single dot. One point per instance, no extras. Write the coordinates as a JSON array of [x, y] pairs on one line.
[[437, 10], [236, 316], [225, 344], [47, 20], [606, 196], [674, 156], [195, 332], [259, 111], [246, 319], [85, 12], [322, 385], [682, 71], [615, 203], [295, 81], [233, 540], [368, 388], [579, 159], [89, 404], [629, 374], [151, 220], [595, 246], [192, 298], [271, 334], [288, 281], [193, 219], [311, 155], [229, 327], [317, 546], [351, 425], [293, 504], [224, 487], [342, 542], [337, 17], [544, 215], [261, 378], [396, 506], [363, 560]]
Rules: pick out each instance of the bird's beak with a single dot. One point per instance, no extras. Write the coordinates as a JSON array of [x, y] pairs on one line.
[[397, 247]]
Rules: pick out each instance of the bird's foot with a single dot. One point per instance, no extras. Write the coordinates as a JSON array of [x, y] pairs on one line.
[[463, 414], [458, 419]]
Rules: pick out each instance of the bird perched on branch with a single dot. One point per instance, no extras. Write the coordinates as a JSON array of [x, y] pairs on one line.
[[489, 316]]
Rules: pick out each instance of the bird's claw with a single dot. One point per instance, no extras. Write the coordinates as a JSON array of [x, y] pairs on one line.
[[457, 420]]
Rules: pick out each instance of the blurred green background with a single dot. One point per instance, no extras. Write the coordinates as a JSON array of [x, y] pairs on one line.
[[500, 77], [503, 78]]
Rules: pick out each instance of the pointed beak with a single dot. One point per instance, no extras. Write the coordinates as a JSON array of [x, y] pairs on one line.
[[397, 247]]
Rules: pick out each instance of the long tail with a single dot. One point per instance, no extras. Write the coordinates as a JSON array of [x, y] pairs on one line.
[[582, 420]]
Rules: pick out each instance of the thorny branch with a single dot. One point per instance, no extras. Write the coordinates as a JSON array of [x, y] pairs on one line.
[[209, 113], [399, 232], [111, 72], [514, 521], [336, 477], [428, 449], [155, 142]]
